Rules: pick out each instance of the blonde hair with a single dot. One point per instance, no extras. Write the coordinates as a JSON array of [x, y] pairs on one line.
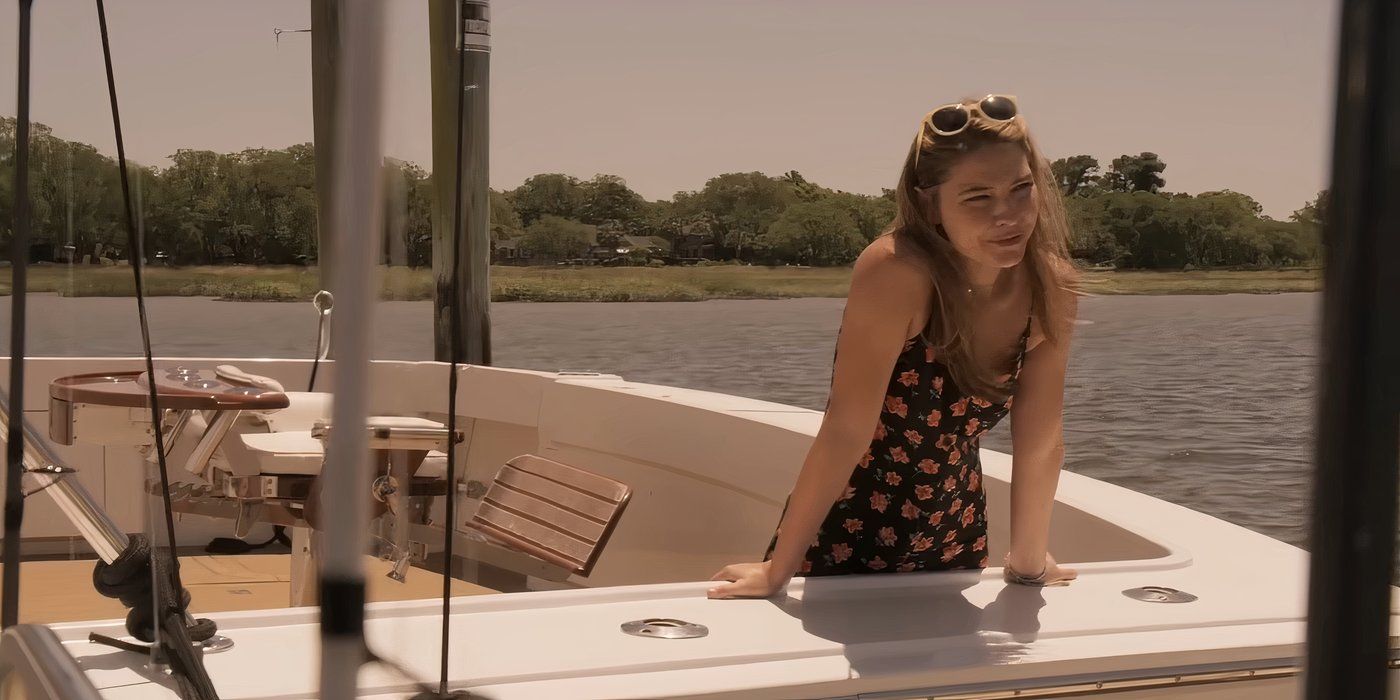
[[1050, 271]]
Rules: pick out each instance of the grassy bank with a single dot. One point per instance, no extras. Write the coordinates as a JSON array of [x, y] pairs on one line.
[[1203, 282], [603, 284]]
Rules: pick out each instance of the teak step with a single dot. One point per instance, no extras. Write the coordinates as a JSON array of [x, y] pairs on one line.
[[552, 511]]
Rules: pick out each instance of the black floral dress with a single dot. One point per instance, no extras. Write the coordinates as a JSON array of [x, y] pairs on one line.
[[914, 502]]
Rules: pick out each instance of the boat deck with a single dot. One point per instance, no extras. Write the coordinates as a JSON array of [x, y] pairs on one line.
[[61, 591]]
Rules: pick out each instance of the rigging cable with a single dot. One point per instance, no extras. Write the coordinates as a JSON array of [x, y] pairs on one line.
[[453, 351], [171, 602], [19, 259]]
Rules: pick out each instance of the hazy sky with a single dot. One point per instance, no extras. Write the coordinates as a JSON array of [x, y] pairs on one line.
[[1231, 94]]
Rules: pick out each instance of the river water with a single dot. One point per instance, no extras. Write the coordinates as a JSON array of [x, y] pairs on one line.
[[1205, 401]]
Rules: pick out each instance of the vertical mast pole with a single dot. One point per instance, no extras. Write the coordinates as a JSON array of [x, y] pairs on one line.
[[356, 216]]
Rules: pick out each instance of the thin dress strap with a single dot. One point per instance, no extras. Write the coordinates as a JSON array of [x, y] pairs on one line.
[[1025, 342]]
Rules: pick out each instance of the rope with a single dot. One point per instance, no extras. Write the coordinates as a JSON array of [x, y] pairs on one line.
[[453, 351], [189, 671]]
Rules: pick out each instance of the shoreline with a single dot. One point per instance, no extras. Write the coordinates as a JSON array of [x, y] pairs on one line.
[[611, 284]]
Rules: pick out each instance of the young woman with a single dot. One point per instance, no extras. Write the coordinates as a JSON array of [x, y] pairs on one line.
[[963, 303]]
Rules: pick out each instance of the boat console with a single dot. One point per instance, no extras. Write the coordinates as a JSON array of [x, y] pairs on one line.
[[241, 447]]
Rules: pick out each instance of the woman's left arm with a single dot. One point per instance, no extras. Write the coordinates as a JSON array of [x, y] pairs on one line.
[[1038, 450]]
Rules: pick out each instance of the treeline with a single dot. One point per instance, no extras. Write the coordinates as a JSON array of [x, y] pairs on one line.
[[742, 216], [1122, 217], [258, 206]]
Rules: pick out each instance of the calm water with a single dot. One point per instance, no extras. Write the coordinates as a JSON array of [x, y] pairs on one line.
[[1204, 401]]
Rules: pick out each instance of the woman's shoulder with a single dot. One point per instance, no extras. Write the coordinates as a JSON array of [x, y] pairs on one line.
[[887, 285], [885, 258]]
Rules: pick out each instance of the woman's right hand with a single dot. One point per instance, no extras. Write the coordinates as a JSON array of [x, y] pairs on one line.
[[753, 580]]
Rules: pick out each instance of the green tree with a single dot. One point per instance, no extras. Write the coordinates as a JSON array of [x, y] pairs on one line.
[[814, 233], [1313, 215], [1090, 238], [1218, 228], [743, 206], [870, 214], [75, 195], [274, 202], [1139, 227], [191, 218], [1139, 173], [1159, 231], [552, 194], [1076, 174], [7, 181], [654, 219], [558, 238], [505, 222], [408, 216], [258, 206], [1236, 200], [1312, 222], [607, 198], [1290, 242], [610, 233], [804, 190]]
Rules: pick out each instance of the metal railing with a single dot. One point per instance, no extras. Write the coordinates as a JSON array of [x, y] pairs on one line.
[[35, 666], [44, 471]]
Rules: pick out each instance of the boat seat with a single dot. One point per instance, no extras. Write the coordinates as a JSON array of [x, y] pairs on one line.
[[293, 443], [289, 441], [282, 453], [302, 452], [398, 433], [306, 407], [296, 452], [253, 441]]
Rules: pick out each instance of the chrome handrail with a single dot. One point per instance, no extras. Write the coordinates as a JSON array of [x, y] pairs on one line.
[[45, 670], [209, 442], [44, 471], [324, 302]]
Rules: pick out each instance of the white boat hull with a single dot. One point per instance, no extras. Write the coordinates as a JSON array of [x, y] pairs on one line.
[[710, 473]]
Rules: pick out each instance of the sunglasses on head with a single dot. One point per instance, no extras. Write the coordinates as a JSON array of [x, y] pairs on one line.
[[954, 118]]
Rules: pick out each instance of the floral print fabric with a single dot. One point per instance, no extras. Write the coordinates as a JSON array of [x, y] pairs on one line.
[[914, 502]]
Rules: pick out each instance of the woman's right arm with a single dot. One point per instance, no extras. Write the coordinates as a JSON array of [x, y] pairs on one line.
[[886, 294]]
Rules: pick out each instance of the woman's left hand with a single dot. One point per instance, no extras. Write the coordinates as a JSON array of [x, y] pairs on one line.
[[754, 580]]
